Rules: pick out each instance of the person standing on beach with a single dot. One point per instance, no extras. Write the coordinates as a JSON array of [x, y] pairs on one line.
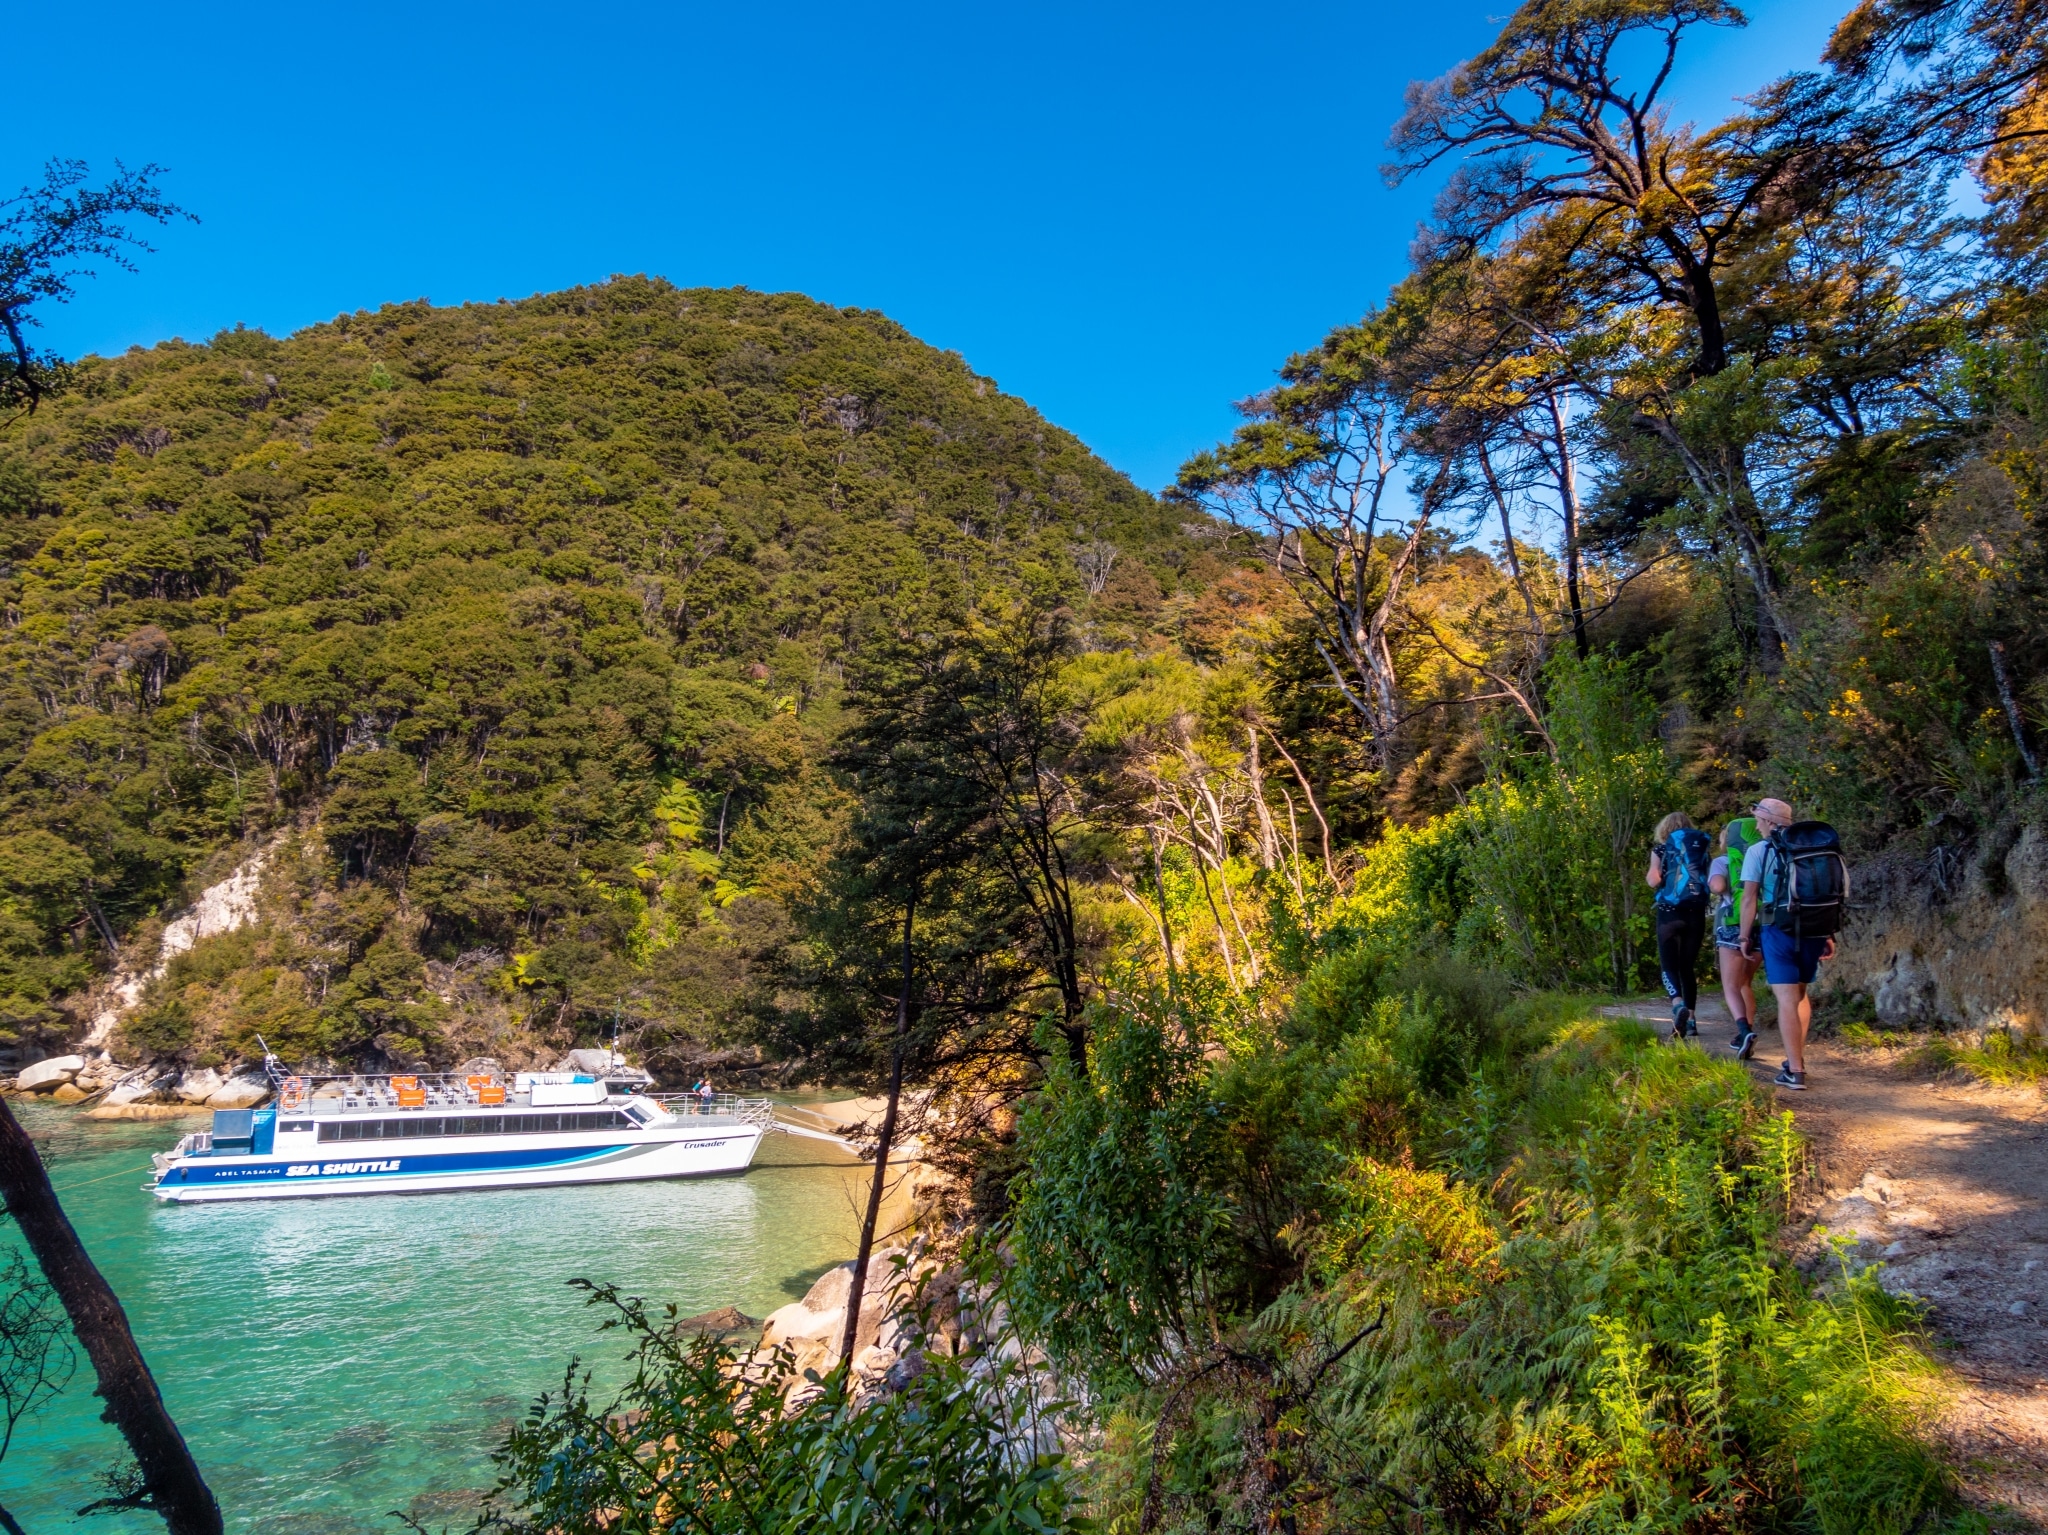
[[1738, 970], [1790, 961], [1678, 873]]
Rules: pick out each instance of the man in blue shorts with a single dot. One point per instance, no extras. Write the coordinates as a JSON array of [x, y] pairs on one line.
[[1789, 963]]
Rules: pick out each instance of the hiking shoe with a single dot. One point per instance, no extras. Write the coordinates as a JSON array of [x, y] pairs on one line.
[[1792, 1081], [1743, 1044], [1688, 1025]]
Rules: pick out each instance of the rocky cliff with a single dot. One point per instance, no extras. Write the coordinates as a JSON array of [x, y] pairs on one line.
[[1951, 940]]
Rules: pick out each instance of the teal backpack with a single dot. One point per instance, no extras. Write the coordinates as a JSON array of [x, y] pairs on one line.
[[1683, 859]]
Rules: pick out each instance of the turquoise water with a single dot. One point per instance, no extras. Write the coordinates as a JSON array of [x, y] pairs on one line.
[[331, 1360]]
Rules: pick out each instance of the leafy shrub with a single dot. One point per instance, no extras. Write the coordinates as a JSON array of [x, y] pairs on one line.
[[1336, 997], [1558, 844], [696, 1440], [161, 1030], [1119, 1205]]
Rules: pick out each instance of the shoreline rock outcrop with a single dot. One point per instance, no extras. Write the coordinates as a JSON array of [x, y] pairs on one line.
[[47, 1076]]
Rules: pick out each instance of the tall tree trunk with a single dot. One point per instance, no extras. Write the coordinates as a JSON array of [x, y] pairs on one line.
[[1165, 918], [2012, 707], [1704, 300], [1507, 543], [170, 1477], [856, 1291], [1568, 498]]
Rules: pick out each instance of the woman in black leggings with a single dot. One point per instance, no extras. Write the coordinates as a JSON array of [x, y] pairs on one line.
[[1681, 923]]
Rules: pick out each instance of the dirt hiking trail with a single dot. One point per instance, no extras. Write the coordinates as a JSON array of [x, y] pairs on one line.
[[1945, 1182]]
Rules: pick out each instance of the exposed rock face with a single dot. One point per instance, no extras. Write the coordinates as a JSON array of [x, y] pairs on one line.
[[140, 1111], [798, 1323], [240, 1093], [221, 908], [1947, 942], [48, 1076], [813, 1328], [137, 1090], [70, 1092], [1906, 993], [200, 1084]]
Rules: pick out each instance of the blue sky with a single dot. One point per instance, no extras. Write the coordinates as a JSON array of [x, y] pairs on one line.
[[1127, 214]]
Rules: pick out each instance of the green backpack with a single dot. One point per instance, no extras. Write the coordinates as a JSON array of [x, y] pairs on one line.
[[1741, 836]]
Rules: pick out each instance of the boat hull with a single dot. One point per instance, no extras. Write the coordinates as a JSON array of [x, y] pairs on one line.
[[334, 1169]]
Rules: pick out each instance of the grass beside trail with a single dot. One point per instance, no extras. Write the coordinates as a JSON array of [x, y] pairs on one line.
[[2000, 1057]]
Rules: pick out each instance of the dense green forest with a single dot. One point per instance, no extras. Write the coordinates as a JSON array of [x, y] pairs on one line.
[[531, 618]]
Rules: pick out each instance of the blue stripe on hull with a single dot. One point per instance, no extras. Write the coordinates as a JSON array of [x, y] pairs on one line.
[[200, 1173]]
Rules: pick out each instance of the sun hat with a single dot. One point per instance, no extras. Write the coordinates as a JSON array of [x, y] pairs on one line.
[[1776, 809]]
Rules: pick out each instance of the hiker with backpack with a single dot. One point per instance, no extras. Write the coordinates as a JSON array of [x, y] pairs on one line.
[[1738, 970], [1795, 891], [1678, 873]]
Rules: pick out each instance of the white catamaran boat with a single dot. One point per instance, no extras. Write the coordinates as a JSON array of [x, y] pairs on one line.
[[424, 1134]]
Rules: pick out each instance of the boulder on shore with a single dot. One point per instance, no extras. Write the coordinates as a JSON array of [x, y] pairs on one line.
[[140, 1111], [200, 1084], [797, 1323], [70, 1092], [240, 1093], [48, 1076], [831, 1288], [139, 1090]]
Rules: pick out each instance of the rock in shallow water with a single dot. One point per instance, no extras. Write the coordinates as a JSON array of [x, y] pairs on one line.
[[724, 1322]]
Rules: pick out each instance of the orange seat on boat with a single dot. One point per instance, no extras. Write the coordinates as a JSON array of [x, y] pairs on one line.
[[412, 1097], [491, 1092]]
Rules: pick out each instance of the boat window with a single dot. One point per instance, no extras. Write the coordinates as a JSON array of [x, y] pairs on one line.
[[416, 1126], [294, 1126]]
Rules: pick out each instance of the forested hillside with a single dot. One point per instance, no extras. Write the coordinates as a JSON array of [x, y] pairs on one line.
[[531, 617]]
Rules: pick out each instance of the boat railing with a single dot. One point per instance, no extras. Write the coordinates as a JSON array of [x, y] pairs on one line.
[[753, 1111]]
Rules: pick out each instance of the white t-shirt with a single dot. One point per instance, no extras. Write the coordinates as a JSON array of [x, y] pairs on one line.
[[1753, 862]]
